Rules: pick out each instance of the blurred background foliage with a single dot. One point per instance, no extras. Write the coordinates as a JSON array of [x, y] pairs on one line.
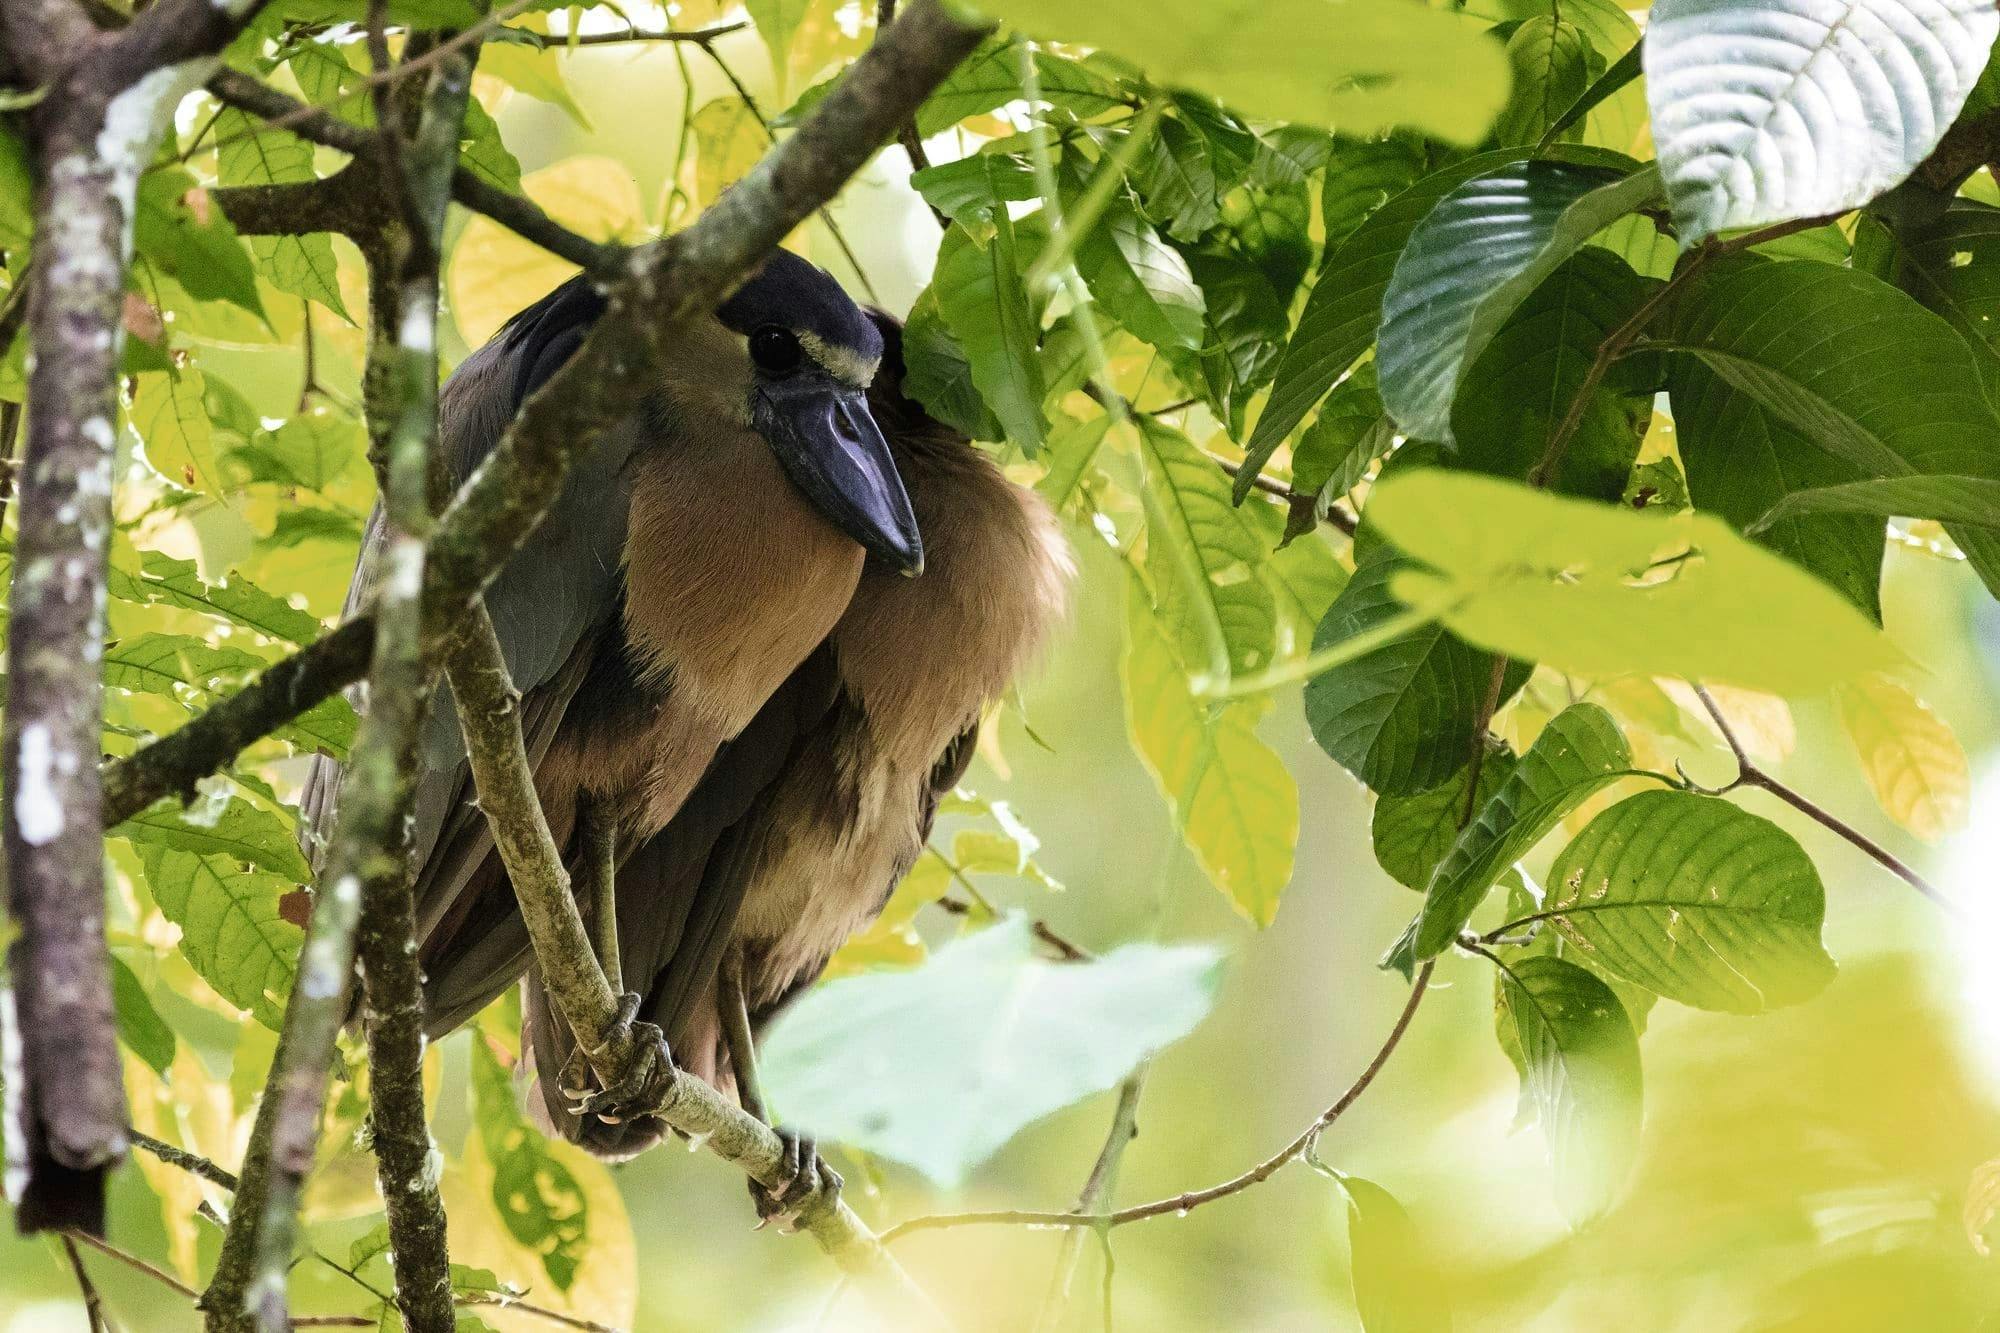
[[1822, 1167]]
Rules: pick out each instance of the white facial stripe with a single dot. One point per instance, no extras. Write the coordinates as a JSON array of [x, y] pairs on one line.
[[839, 361]]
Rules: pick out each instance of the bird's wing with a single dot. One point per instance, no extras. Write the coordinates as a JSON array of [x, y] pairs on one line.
[[548, 603]]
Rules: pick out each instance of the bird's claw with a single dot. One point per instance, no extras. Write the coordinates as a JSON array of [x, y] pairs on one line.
[[644, 1080], [810, 1185]]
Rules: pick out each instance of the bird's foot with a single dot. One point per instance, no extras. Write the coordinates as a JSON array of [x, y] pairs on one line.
[[648, 1075], [810, 1185]]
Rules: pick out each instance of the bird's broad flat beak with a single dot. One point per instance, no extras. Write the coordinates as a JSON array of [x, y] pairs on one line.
[[831, 448]]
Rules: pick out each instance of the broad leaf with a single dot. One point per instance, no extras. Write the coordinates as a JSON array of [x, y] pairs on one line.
[[1231, 795], [1551, 62], [937, 1067], [231, 926], [1413, 833], [1396, 1286], [1749, 466], [1515, 395], [1582, 1063], [184, 234], [163, 579], [1952, 265], [1345, 308], [981, 298], [1902, 398], [1696, 900], [1360, 68], [1947, 499], [1766, 110], [991, 77], [1600, 590], [140, 1026], [1202, 555], [171, 416], [1913, 763], [1141, 281], [539, 1200], [1477, 256], [1400, 718], [237, 830], [1578, 753]]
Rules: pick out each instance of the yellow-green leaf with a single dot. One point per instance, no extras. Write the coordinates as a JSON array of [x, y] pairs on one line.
[[1913, 763], [1234, 800]]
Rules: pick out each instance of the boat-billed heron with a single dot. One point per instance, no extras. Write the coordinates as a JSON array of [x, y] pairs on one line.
[[806, 822], [699, 552]]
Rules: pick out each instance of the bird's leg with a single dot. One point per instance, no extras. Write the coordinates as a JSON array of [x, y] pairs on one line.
[[810, 1182], [599, 837], [649, 1071]]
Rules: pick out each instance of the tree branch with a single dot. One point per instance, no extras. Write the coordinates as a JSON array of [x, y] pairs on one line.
[[1748, 774], [1181, 1204], [110, 97]]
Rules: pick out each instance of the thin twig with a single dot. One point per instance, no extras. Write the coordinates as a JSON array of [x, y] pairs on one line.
[[1181, 1204], [1620, 340], [93, 1304], [133, 1261], [191, 1162], [1068, 952], [1748, 774], [1096, 1193], [702, 37], [1280, 489]]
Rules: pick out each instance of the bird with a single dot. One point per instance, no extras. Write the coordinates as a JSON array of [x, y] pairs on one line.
[[718, 927], [697, 555]]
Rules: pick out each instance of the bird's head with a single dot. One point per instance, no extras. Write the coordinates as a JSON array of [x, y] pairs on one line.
[[812, 353]]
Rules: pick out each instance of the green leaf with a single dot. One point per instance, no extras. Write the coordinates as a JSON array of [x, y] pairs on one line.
[[171, 416], [1605, 86], [1579, 752], [1141, 281], [1766, 110], [1396, 1286], [483, 152], [1582, 1062], [1243, 325], [1413, 833], [231, 928], [1696, 900], [1600, 590], [982, 300], [183, 234], [1483, 249], [1177, 180], [1551, 62], [251, 153], [1232, 796], [1343, 442], [1203, 555], [1365, 174], [939, 373], [538, 73], [1400, 718], [165, 580], [1072, 446], [967, 1049], [314, 449], [1745, 465], [17, 192], [976, 185], [1952, 265], [140, 1026], [1918, 408], [1947, 499], [1362, 68], [236, 829], [304, 266], [1512, 399], [538, 1199], [1345, 308], [991, 77], [176, 666]]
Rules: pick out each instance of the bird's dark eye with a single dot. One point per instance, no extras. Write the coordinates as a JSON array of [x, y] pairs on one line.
[[776, 351]]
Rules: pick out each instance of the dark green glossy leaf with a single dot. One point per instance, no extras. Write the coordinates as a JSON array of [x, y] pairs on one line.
[[1412, 833], [1551, 61]]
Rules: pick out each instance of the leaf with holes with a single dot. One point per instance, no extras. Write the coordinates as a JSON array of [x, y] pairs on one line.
[[1579, 753], [167, 581], [1767, 110], [541, 1203], [1695, 900], [1913, 763], [1477, 256], [1582, 1073]]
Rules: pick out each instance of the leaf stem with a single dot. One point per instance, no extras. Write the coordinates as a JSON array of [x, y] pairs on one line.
[[1181, 1204]]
